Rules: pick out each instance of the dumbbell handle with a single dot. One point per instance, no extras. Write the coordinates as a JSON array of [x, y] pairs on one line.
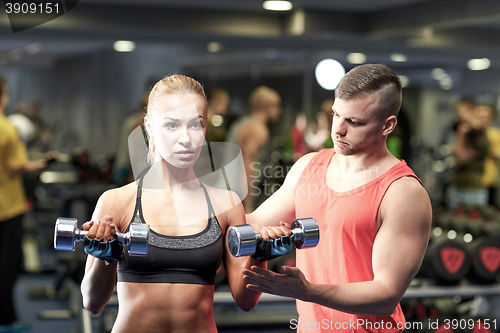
[[122, 237], [297, 234]]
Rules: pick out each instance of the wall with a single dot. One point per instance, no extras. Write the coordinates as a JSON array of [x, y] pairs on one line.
[[86, 98]]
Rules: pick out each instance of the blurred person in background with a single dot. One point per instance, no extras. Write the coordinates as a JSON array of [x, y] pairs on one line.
[[298, 145], [25, 127], [318, 135], [218, 102], [470, 149], [43, 141], [251, 134], [13, 163], [122, 168], [491, 174]]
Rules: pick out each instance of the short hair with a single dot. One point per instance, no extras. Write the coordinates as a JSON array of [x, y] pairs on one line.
[[259, 96], [216, 92], [372, 78], [467, 102]]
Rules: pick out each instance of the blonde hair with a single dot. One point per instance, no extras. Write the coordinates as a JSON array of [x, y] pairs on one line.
[[177, 84]]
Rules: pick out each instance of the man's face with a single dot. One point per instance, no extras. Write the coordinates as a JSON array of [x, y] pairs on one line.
[[356, 127], [273, 105]]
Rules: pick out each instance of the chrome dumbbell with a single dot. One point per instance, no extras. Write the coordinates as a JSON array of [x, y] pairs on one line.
[[66, 234], [242, 239]]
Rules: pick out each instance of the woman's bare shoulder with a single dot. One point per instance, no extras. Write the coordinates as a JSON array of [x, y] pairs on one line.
[[222, 196], [117, 202], [227, 204]]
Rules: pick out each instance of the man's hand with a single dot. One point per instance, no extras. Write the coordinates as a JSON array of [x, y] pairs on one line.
[[291, 283]]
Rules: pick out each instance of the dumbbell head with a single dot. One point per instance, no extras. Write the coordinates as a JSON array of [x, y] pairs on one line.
[[137, 240], [66, 234], [305, 233], [241, 240]]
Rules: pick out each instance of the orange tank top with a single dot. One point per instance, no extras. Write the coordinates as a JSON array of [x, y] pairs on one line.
[[348, 226]]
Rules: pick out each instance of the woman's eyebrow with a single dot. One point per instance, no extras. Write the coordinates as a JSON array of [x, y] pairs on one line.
[[170, 118]]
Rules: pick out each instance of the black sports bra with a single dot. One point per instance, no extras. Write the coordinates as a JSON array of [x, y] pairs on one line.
[[192, 259]]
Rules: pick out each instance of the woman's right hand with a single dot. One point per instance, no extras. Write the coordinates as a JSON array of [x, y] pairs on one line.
[[102, 229]]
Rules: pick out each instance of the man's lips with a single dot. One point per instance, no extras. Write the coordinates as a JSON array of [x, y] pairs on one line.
[[340, 143]]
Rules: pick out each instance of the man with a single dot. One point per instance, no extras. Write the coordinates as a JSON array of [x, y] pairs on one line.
[[374, 217], [13, 162], [218, 101], [251, 134], [470, 150], [491, 174]]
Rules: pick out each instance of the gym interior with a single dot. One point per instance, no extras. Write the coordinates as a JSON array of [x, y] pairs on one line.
[[83, 72]]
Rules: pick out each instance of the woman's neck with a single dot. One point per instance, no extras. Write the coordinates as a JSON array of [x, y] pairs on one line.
[[163, 175]]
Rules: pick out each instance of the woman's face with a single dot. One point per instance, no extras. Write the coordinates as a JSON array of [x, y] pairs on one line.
[[177, 124]]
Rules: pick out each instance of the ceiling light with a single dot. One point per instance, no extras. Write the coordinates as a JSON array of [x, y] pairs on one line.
[[277, 5], [328, 73], [398, 57], [438, 73], [124, 46], [214, 47], [356, 58], [446, 82], [405, 81], [33, 48], [478, 64]]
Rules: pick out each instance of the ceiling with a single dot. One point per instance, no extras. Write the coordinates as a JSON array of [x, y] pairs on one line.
[[431, 33]]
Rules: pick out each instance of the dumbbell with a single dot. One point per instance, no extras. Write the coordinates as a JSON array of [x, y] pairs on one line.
[[66, 234], [242, 240]]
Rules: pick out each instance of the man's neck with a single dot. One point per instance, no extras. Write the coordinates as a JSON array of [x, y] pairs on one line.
[[353, 164], [261, 116]]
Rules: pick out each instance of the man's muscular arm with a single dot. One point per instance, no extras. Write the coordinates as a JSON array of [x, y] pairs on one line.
[[399, 247]]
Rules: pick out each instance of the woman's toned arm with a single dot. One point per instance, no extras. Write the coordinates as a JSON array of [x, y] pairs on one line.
[[99, 280], [246, 299]]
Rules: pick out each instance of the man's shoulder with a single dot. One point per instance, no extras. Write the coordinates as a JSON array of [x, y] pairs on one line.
[[407, 187], [298, 168], [6, 126]]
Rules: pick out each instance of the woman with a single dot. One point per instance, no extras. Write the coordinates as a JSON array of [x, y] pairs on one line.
[[170, 290]]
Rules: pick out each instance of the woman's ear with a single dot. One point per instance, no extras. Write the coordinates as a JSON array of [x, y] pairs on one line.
[[389, 125], [147, 123]]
